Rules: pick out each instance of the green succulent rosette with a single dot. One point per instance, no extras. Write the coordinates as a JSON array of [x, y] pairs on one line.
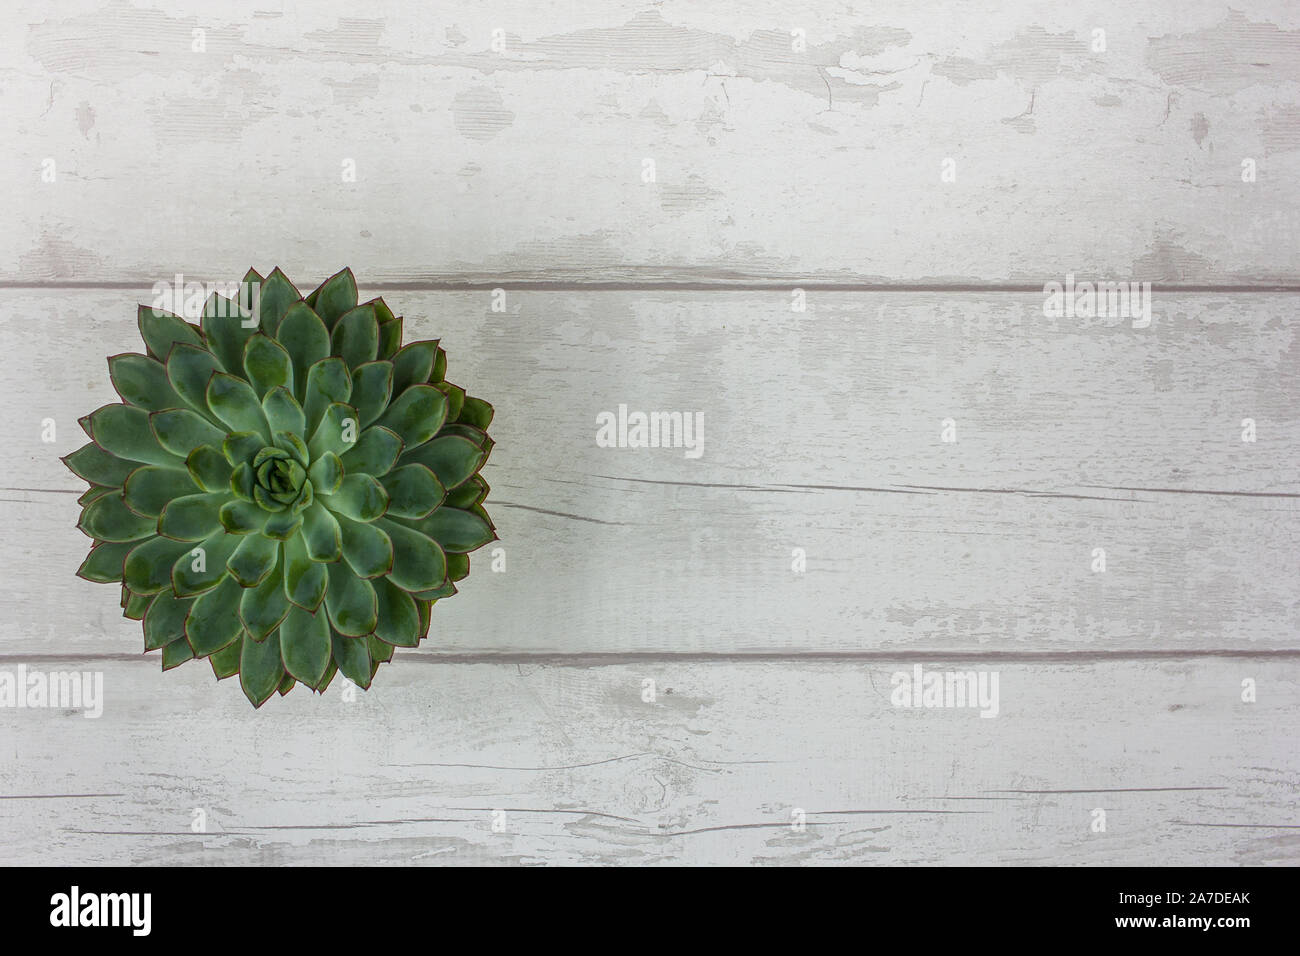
[[285, 490]]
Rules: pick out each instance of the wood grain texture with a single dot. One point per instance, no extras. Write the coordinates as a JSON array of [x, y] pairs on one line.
[[822, 431], [709, 772], [771, 164], [520, 168]]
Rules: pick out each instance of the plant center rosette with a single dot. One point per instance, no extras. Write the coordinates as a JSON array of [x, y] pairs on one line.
[[285, 490]]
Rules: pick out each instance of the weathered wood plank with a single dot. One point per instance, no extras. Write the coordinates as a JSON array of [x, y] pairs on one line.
[[822, 431], [710, 771], [771, 163], [774, 168]]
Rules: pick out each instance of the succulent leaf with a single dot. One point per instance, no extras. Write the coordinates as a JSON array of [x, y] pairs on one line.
[[240, 447], [366, 549], [203, 565], [93, 492], [452, 458], [267, 365], [136, 605], [457, 566], [306, 339], [455, 399], [104, 563], [476, 412], [326, 474], [142, 381], [123, 430], [360, 497], [253, 560], [390, 330], [242, 517], [97, 466], [175, 654], [352, 654], [355, 337], [189, 368], [208, 468], [350, 602], [336, 431], [192, 517], [234, 402], [164, 622], [180, 431], [374, 454], [336, 296], [416, 415], [399, 620], [321, 534], [225, 662], [282, 411], [413, 365], [213, 621], [419, 562], [260, 669], [413, 491], [304, 579], [457, 531], [263, 606], [283, 526], [305, 645], [470, 493], [225, 331], [149, 488], [372, 389], [109, 519], [328, 383], [277, 294], [147, 569], [161, 330]]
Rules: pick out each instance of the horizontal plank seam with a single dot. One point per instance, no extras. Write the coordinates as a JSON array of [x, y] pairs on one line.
[[56, 796], [615, 658], [689, 285], [1112, 790], [1239, 826]]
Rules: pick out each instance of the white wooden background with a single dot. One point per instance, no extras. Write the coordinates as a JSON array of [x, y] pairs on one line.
[[521, 168]]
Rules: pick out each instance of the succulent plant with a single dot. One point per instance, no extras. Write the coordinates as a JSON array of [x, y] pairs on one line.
[[285, 490]]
